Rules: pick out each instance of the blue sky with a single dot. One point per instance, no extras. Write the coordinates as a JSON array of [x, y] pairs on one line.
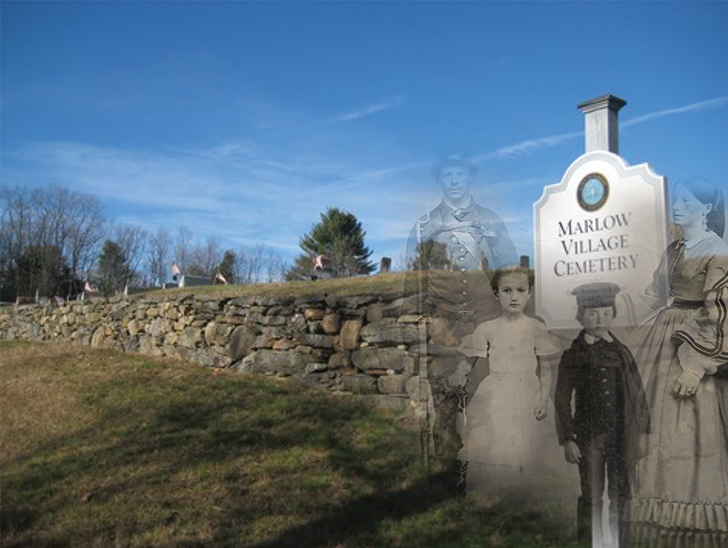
[[248, 119]]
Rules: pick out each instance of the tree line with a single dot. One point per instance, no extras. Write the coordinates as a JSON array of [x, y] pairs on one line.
[[53, 241]]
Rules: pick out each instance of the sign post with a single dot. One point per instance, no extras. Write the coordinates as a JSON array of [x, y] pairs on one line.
[[606, 221]]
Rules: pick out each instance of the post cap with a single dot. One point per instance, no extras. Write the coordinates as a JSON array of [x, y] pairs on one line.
[[608, 101]]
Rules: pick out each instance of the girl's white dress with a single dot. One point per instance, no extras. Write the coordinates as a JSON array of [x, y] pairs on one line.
[[509, 453]]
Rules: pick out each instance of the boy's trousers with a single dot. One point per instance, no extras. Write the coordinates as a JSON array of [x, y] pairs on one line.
[[603, 452]]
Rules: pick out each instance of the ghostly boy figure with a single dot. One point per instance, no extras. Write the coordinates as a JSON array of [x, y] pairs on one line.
[[608, 429]]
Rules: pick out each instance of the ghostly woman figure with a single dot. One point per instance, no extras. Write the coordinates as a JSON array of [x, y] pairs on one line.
[[680, 494]]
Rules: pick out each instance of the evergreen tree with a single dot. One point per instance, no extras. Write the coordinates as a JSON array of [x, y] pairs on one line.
[[42, 268], [431, 255], [113, 269], [340, 238], [227, 266]]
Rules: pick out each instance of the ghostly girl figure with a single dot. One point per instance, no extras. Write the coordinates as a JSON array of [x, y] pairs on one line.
[[681, 487], [512, 451]]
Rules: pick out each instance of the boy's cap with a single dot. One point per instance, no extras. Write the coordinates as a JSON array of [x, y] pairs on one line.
[[595, 295], [459, 159]]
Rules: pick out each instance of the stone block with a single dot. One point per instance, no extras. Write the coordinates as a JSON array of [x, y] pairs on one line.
[[191, 337], [404, 305], [331, 323], [388, 331], [298, 323], [231, 320], [264, 341], [392, 384], [357, 301], [156, 327], [217, 333], [280, 311], [275, 320], [131, 344], [242, 340], [271, 301], [359, 384], [316, 341], [409, 318], [210, 358], [284, 344], [275, 332], [350, 330], [177, 352], [317, 379], [412, 388], [311, 314], [374, 312], [135, 327], [340, 359], [254, 317], [97, 339], [352, 313], [316, 368], [273, 361], [180, 324], [381, 358]]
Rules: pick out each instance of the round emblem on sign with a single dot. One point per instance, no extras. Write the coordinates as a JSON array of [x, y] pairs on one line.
[[593, 192]]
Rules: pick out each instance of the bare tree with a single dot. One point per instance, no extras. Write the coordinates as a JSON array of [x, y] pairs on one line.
[[86, 233], [249, 263], [258, 263], [16, 222], [159, 253], [63, 228], [183, 248], [204, 259], [132, 242], [276, 267]]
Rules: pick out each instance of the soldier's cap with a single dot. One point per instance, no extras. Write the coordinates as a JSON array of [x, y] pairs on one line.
[[595, 295], [458, 159]]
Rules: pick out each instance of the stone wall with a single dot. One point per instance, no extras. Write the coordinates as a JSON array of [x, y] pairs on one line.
[[363, 344]]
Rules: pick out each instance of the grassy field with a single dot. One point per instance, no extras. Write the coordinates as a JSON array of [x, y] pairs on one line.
[[105, 449], [385, 284]]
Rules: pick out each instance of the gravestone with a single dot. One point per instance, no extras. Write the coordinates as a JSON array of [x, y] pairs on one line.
[[188, 281], [606, 221], [385, 265]]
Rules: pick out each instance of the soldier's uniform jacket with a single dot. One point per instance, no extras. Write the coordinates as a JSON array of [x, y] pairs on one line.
[[608, 394], [475, 239]]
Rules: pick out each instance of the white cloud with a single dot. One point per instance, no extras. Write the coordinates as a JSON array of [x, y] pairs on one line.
[[524, 148], [528, 146], [369, 109], [694, 107], [231, 190]]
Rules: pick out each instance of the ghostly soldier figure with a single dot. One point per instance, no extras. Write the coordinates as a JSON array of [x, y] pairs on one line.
[[451, 248]]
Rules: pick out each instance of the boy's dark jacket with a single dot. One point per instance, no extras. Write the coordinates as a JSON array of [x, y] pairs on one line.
[[575, 375]]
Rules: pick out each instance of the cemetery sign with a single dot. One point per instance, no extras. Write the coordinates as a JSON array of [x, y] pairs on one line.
[[604, 222]]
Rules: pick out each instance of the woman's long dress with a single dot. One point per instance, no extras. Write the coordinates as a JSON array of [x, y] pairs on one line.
[[510, 454], [681, 486]]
